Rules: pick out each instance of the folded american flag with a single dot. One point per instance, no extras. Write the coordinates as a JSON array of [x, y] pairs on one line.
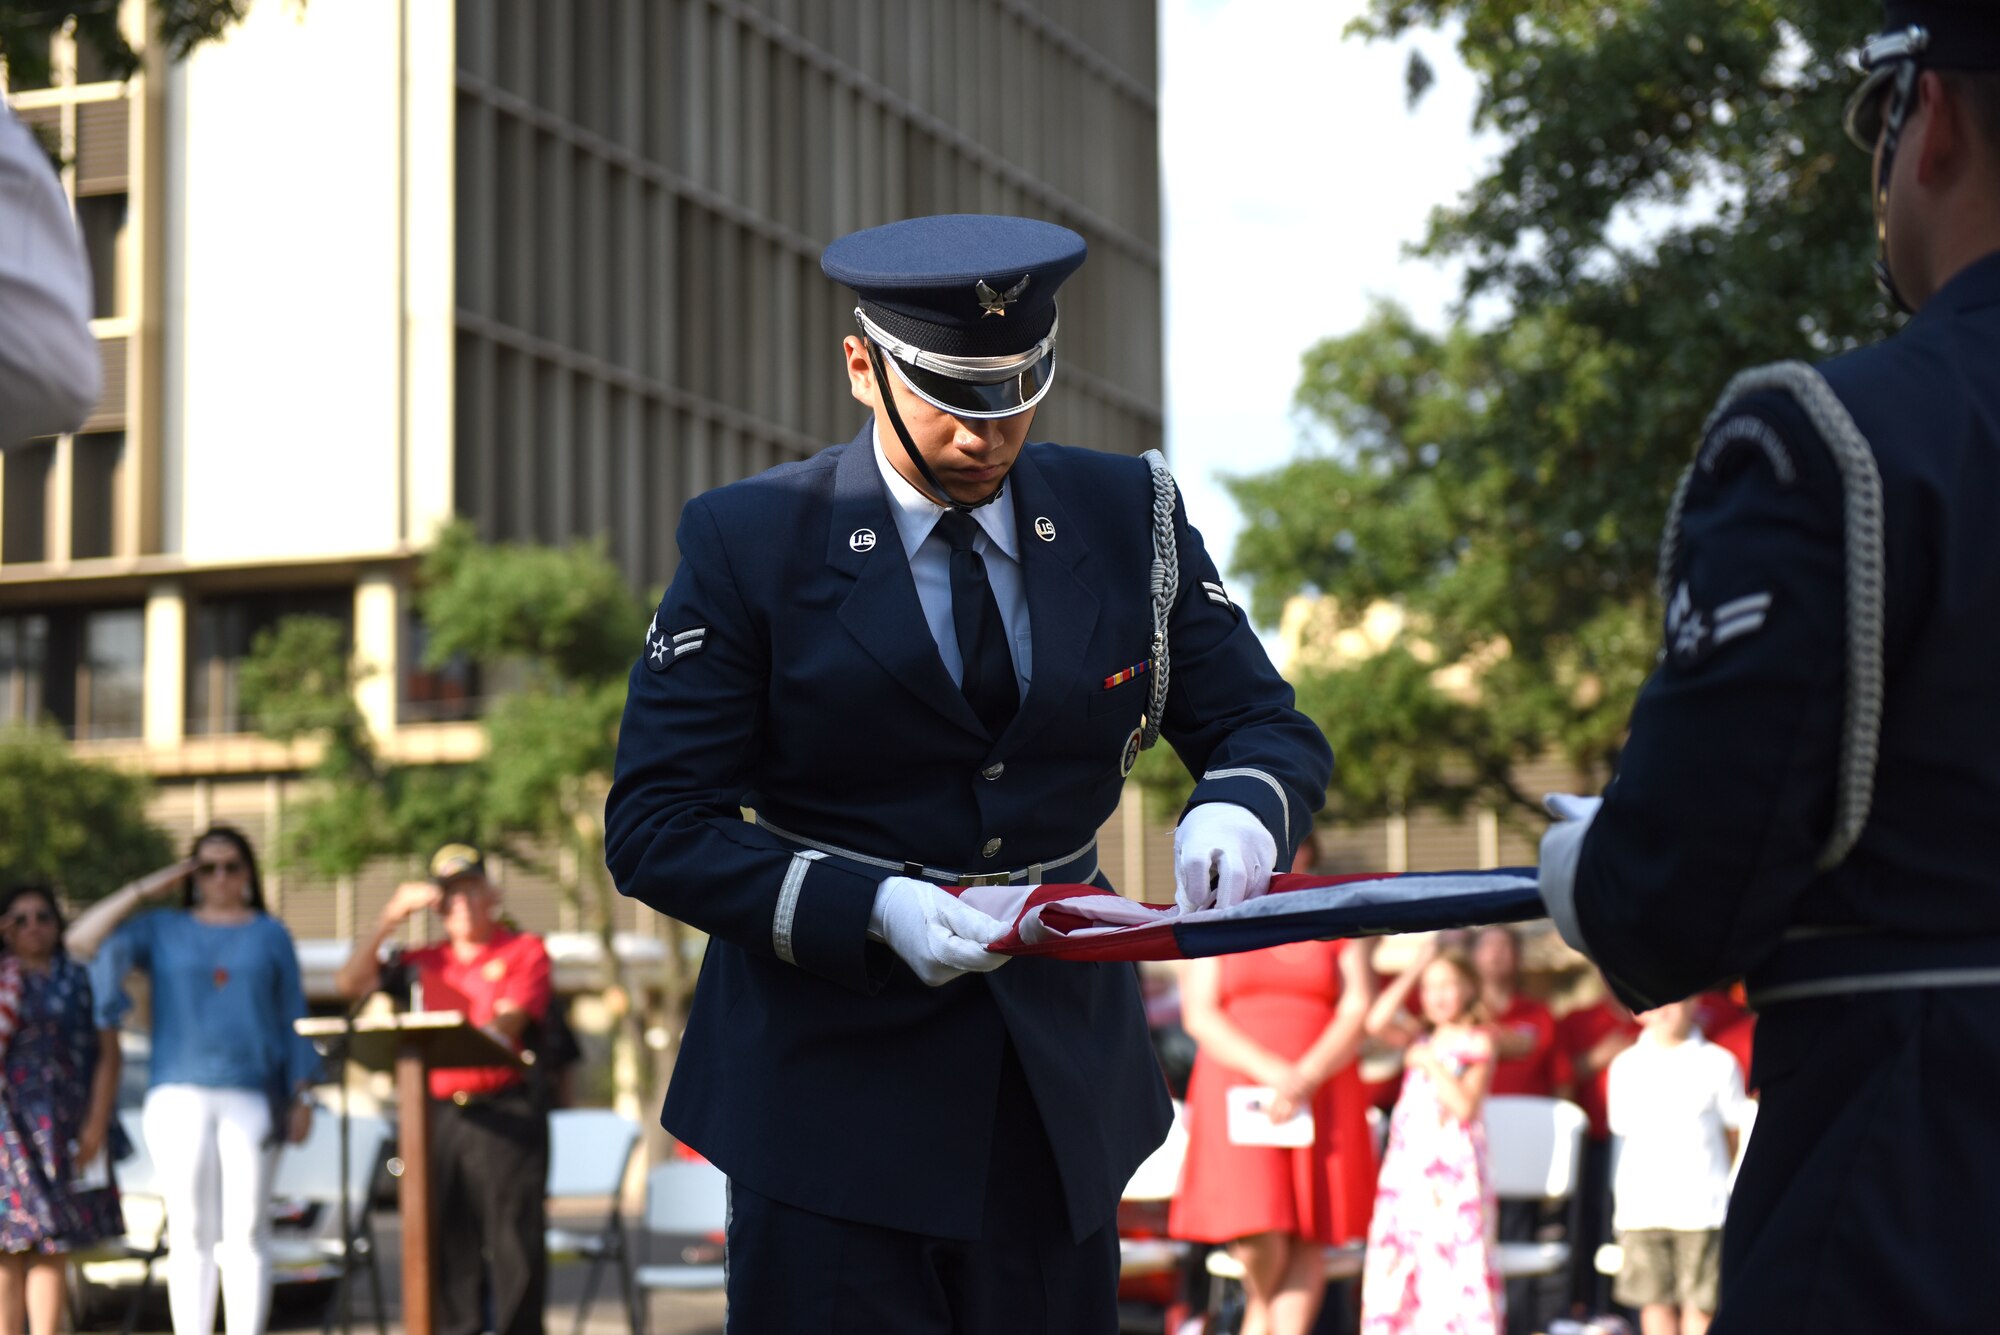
[[1083, 922]]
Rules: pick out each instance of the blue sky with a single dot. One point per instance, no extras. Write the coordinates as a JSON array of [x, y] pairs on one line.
[[1294, 176]]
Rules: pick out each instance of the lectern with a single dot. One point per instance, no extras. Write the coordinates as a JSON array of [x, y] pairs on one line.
[[411, 1045]]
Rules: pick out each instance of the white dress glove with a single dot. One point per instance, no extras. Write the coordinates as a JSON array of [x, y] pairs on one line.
[[1223, 855], [936, 934], [1562, 847]]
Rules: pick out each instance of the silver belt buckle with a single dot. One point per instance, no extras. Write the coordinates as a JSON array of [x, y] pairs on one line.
[[990, 878]]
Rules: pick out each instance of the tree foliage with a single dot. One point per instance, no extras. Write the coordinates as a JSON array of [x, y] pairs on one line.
[[25, 26], [65, 822], [559, 627], [1673, 201], [298, 685]]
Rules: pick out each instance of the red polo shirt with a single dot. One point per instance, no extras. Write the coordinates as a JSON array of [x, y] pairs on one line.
[[1576, 1034], [510, 966], [1545, 1067]]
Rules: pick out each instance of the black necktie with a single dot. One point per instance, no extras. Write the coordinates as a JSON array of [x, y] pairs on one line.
[[988, 682]]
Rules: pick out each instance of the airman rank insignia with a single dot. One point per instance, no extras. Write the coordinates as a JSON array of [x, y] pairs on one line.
[[1130, 755], [1694, 633], [663, 650]]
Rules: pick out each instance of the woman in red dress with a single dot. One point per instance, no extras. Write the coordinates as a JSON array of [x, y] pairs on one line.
[[1288, 1018]]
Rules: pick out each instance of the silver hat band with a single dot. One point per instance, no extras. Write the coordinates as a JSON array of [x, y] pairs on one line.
[[978, 370]]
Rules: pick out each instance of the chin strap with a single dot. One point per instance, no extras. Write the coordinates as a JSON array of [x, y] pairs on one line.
[[1898, 111], [934, 488]]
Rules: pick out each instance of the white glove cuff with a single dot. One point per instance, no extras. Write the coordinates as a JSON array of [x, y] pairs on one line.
[[1562, 848]]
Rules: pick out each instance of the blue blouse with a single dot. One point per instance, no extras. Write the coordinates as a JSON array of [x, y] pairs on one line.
[[224, 999]]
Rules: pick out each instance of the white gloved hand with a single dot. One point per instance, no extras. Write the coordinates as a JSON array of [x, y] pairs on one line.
[[936, 934], [1562, 848], [1223, 855]]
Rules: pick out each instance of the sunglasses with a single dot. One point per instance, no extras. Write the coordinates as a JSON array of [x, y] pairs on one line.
[[229, 868], [27, 916]]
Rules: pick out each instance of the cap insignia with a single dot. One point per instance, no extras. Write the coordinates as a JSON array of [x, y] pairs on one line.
[[996, 303]]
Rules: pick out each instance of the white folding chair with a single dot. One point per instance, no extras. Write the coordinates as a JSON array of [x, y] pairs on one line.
[[309, 1173], [116, 1262], [1534, 1151], [684, 1198], [589, 1152]]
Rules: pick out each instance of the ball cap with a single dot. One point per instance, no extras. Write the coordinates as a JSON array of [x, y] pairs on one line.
[[964, 304], [455, 860]]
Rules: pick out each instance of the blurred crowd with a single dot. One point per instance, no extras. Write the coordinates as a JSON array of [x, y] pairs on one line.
[[230, 1081], [1337, 1099]]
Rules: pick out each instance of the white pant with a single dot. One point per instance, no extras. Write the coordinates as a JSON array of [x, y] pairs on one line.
[[215, 1177]]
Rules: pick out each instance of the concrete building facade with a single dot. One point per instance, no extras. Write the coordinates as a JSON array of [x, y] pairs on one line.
[[550, 266]]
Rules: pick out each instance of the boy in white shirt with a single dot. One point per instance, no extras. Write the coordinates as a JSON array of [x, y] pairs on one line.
[[1675, 1103]]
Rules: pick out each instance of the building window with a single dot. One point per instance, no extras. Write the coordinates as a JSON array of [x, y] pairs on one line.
[[24, 663], [222, 634], [82, 669], [111, 674], [97, 465], [24, 478], [442, 694], [102, 220]]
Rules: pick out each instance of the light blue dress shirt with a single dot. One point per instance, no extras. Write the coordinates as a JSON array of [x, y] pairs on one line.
[[998, 545]]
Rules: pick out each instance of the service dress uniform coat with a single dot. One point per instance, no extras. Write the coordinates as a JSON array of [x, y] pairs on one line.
[[1867, 1201], [789, 671]]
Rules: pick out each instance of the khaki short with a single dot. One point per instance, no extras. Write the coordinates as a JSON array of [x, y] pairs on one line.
[[1670, 1267]]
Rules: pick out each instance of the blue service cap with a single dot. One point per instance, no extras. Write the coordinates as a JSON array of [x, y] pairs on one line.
[[964, 304], [1933, 34], [1960, 34]]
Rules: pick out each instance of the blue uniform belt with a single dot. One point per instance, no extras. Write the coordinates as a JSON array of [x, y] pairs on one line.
[[1831, 962], [1035, 873]]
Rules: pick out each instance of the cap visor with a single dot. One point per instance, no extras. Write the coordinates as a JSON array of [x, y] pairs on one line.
[[1015, 393]]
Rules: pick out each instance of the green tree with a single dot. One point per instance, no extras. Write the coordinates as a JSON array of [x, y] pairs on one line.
[[25, 26], [298, 686], [560, 627], [1673, 201], [78, 826]]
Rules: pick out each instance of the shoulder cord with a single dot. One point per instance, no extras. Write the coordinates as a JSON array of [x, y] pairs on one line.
[[1166, 590], [1861, 488]]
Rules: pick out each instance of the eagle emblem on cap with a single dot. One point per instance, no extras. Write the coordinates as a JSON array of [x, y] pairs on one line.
[[995, 303]]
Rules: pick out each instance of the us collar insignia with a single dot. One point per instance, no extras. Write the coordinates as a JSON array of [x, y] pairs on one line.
[[996, 303]]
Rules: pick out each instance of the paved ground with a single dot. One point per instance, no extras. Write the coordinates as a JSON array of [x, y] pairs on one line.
[[304, 1308]]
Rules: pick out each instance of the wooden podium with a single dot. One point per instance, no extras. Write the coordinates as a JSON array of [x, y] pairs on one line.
[[411, 1045]]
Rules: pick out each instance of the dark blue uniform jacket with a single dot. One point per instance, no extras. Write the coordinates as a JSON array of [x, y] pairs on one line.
[[1866, 1201], [1704, 853], [816, 1068]]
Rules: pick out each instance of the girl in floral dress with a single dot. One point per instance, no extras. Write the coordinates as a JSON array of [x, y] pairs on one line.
[[1430, 1267]]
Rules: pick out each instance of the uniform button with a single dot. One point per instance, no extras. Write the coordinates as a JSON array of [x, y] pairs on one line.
[[992, 847], [993, 771], [461, 1098]]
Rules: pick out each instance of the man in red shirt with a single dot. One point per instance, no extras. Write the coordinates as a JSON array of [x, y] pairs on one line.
[[490, 1127], [1524, 1031]]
